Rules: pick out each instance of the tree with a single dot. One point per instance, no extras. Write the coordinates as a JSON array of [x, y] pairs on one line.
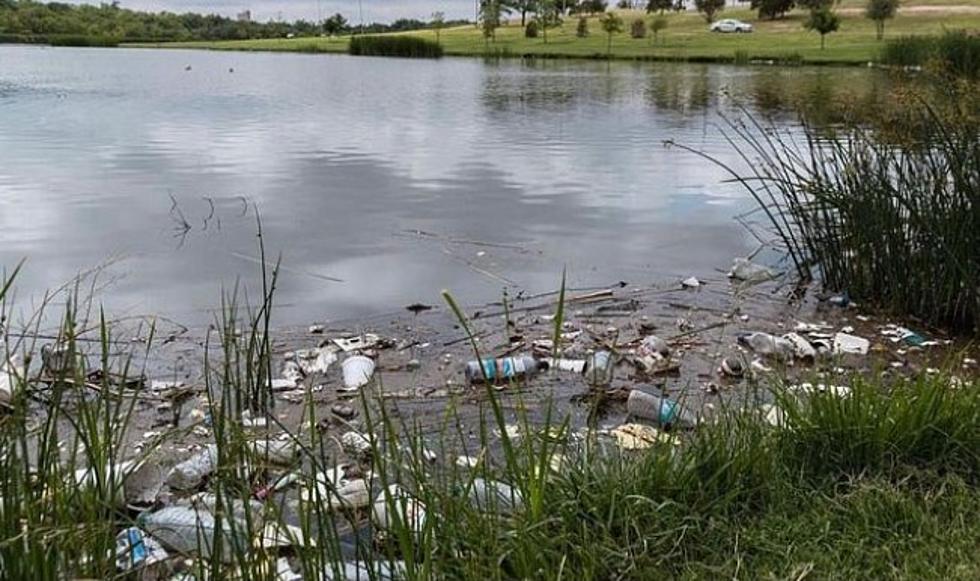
[[336, 24], [524, 7], [660, 6], [823, 21], [638, 28], [438, 21], [612, 24], [772, 9], [547, 16], [582, 30], [880, 11], [709, 8], [592, 6], [490, 14], [656, 25]]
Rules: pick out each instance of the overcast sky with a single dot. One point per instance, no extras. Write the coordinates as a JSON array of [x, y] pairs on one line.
[[374, 10]]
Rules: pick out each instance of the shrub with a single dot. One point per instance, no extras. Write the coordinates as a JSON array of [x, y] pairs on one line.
[[531, 30], [638, 29], [395, 45], [582, 30]]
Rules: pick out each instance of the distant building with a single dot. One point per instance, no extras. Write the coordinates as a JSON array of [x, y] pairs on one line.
[[245, 16]]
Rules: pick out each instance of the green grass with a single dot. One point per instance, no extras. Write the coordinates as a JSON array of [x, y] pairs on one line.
[[686, 38]]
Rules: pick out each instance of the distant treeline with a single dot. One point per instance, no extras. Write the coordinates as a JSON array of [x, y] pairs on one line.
[[106, 24]]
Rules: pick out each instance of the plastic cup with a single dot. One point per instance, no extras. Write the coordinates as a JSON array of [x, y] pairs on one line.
[[358, 371]]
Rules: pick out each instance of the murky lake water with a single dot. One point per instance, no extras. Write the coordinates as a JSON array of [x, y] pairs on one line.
[[151, 162]]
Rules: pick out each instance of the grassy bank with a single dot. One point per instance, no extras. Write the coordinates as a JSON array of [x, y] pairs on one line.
[[686, 38]]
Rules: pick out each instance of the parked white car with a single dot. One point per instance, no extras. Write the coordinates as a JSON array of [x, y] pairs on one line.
[[730, 25]]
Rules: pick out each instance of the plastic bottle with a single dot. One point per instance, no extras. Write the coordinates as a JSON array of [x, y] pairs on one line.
[[500, 369], [766, 344], [493, 496], [659, 409], [599, 370], [191, 473], [192, 532]]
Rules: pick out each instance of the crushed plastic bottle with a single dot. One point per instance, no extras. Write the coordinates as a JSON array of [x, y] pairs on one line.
[[663, 411], [745, 270], [193, 532], [191, 473], [802, 348], [768, 345], [495, 370]]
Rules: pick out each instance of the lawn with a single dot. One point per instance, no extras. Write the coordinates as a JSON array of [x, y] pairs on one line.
[[686, 37]]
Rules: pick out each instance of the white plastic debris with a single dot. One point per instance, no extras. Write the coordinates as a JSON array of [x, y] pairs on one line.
[[691, 282], [743, 269], [366, 341], [467, 461], [283, 384], [275, 451], [639, 436], [134, 548], [496, 497], [358, 371], [191, 473], [653, 346], [768, 345], [10, 370], [157, 385], [192, 532], [570, 365], [316, 361], [802, 348], [363, 571], [355, 444], [773, 414], [851, 344], [810, 389], [396, 503]]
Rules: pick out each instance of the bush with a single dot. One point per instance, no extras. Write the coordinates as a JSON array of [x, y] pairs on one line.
[[582, 30], [395, 45], [638, 29], [531, 30]]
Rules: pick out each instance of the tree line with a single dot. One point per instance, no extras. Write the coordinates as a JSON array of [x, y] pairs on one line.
[[29, 20]]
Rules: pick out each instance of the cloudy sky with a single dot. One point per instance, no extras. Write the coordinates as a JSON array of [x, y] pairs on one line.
[[374, 10]]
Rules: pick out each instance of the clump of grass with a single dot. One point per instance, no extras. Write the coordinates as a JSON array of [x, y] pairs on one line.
[[395, 46], [955, 52], [82, 40], [893, 223]]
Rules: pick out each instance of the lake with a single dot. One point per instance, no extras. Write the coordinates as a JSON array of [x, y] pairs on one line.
[[378, 181]]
